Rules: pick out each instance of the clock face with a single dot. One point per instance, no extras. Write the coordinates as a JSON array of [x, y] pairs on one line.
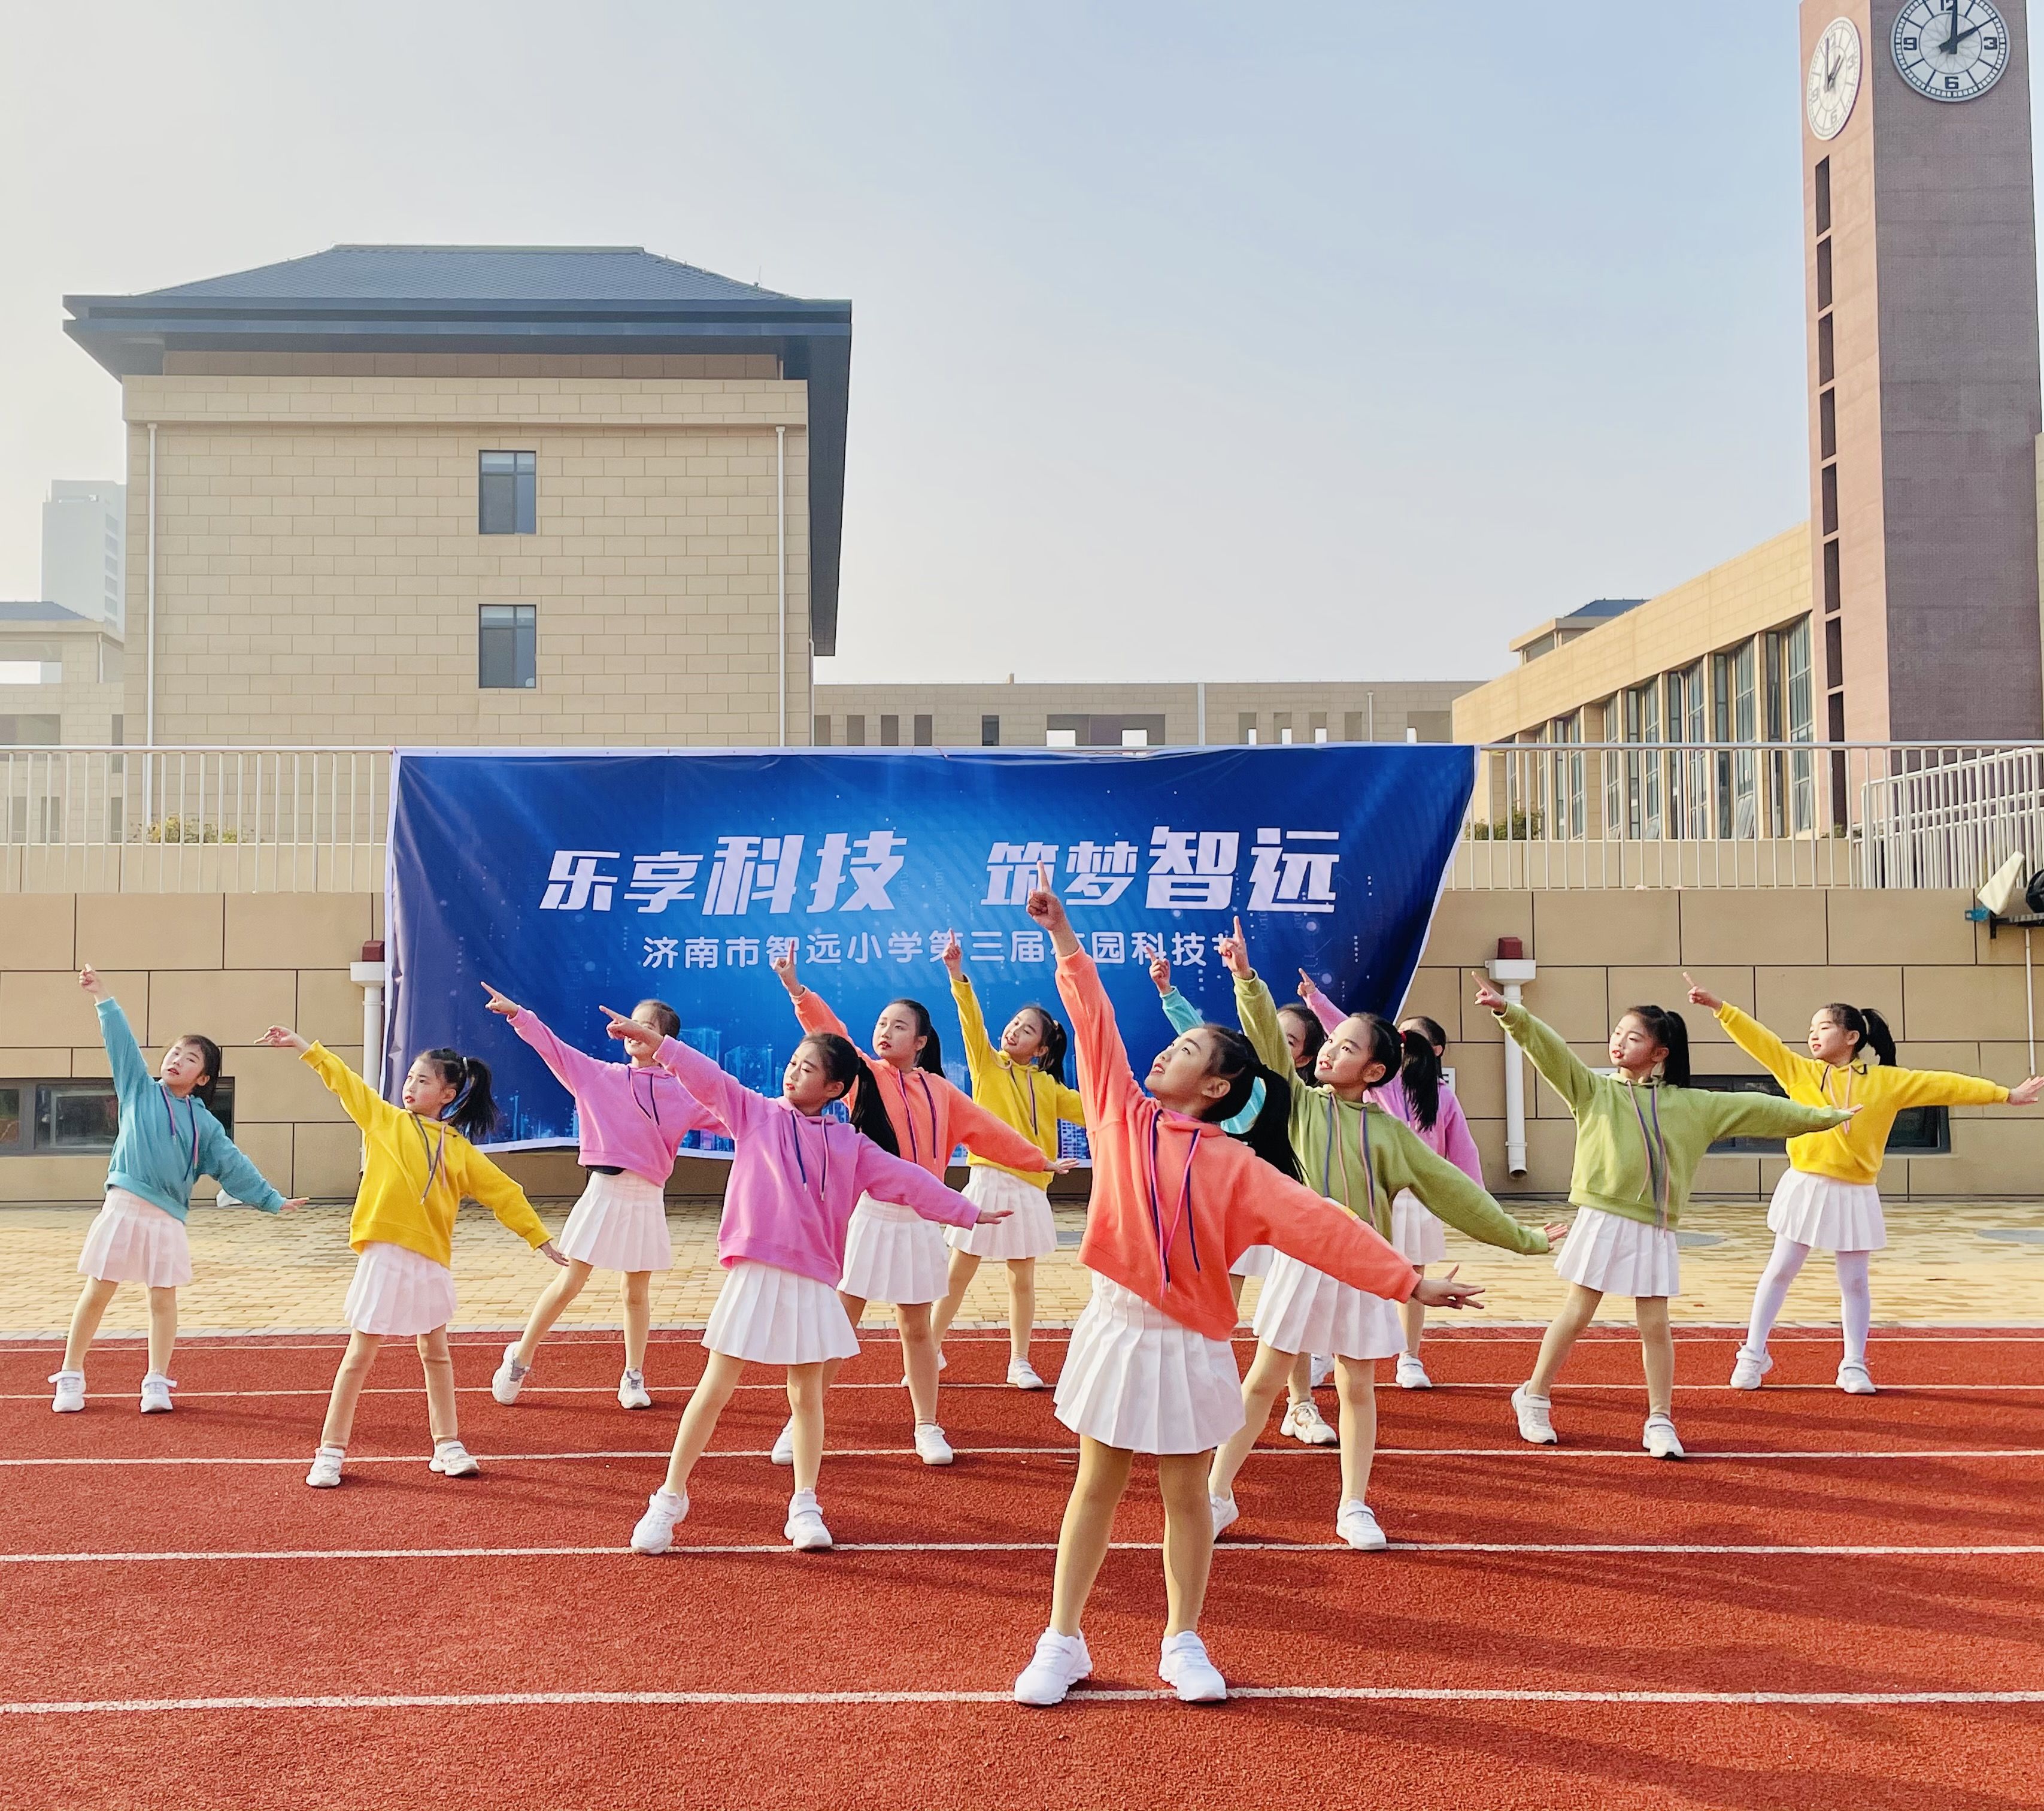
[[1950, 50], [1834, 83]]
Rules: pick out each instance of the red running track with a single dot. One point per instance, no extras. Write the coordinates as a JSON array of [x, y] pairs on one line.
[[1584, 1626]]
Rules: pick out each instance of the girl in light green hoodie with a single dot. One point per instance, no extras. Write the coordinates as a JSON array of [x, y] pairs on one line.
[[1640, 1133]]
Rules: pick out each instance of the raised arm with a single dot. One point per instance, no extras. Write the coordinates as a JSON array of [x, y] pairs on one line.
[[1446, 1193], [723, 1095], [891, 1179], [124, 1055], [221, 1157], [1182, 1013], [985, 1135], [1318, 1004], [1259, 1013], [574, 1069], [1753, 1037], [358, 1100], [972, 1028], [1767, 1116], [811, 1013], [1551, 1055]]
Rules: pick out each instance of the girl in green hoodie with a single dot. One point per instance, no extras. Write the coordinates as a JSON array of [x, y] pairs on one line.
[[1640, 1133]]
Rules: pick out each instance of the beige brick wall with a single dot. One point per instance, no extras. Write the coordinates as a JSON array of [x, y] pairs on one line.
[[1357, 711], [228, 965], [85, 704], [1766, 587], [319, 568]]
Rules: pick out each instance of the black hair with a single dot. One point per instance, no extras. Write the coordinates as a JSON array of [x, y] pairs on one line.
[[1868, 1025], [1050, 1059], [1233, 1058], [845, 1066], [931, 1055], [1671, 1032], [472, 1111], [665, 1019], [1431, 1028], [1314, 1035], [209, 1055], [1420, 1073]]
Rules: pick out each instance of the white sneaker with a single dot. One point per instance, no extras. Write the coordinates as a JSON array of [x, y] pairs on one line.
[[1022, 1375], [1749, 1367], [1535, 1425], [1225, 1514], [1854, 1379], [654, 1531], [156, 1390], [805, 1529], [631, 1391], [510, 1377], [71, 1392], [932, 1447], [1321, 1368], [1304, 1423], [1059, 1663], [1411, 1374], [325, 1474], [451, 1459], [1659, 1438], [784, 1445], [1357, 1524], [1184, 1666]]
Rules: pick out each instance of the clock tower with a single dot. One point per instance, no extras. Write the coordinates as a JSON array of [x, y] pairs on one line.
[[1920, 255]]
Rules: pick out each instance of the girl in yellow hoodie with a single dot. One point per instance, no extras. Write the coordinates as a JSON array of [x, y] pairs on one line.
[[1827, 1200]]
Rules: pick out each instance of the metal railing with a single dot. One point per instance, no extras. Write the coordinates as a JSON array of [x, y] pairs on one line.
[[1544, 816]]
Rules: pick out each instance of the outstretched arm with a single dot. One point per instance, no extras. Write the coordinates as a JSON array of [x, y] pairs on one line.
[[1543, 1046], [1742, 1115], [574, 1069], [124, 1055], [891, 1179], [722, 1094], [358, 1100], [1318, 1004], [480, 1180], [1786, 1066], [1940, 1088], [221, 1157], [811, 1013], [1107, 1085], [985, 1136], [1448, 1194]]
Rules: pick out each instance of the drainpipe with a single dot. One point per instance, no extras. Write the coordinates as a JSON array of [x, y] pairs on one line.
[[369, 974], [781, 548], [149, 681], [1509, 971]]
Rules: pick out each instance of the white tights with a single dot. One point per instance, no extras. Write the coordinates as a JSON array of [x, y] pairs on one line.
[[1855, 1297]]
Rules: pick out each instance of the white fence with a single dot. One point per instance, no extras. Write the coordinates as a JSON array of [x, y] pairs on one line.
[[1544, 815]]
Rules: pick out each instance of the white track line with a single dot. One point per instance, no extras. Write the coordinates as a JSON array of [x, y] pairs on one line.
[[1394, 1695], [1680, 1548], [1068, 1452]]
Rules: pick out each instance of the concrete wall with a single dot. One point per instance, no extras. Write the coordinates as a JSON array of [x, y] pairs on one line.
[[231, 964], [319, 567]]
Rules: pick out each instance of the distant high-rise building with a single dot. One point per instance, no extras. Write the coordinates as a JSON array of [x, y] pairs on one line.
[[84, 549]]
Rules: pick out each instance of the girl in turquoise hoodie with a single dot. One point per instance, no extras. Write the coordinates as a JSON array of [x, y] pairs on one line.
[[168, 1139]]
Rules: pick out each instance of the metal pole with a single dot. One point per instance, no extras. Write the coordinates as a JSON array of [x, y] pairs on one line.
[[781, 540], [2029, 1003]]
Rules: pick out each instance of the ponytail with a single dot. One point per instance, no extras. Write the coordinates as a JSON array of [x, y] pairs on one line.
[[1050, 1059], [1431, 1029], [1671, 1032], [1269, 1134], [1869, 1026], [1311, 1036], [846, 1067], [931, 1055], [472, 1111], [1420, 1074]]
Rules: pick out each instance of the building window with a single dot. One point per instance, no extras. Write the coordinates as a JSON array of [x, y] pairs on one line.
[[820, 732], [1802, 725], [1823, 273], [1281, 726], [1830, 577], [37, 731], [1826, 361], [1688, 775], [1823, 194], [1136, 738], [926, 732], [1317, 722], [890, 732], [1827, 424], [854, 733], [1643, 777], [1827, 488], [507, 493], [1736, 708], [507, 648], [1834, 655], [1245, 727], [60, 1118], [989, 732], [31, 663]]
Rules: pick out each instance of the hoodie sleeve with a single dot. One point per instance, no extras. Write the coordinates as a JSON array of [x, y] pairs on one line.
[[723, 1096], [124, 1055], [1107, 1085], [482, 1181], [1788, 1068], [1551, 1055], [221, 1157], [889, 1177], [1324, 1009], [985, 1135], [1445, 1192], [812, 1013], [571, 1068], [1742, 1115], [1304, 1225], [359, 1101], [1940, 1088]]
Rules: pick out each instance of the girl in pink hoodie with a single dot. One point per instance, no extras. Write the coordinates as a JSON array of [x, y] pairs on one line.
[[633, 1116], [795, 1179]]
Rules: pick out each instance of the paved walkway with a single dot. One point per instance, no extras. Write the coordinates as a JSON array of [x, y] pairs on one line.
[[253, 1273]]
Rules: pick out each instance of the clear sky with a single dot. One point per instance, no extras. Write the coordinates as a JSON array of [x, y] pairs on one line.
[[1188, 341]]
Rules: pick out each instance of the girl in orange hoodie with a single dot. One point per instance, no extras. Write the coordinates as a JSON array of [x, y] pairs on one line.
[[1150, 1368]]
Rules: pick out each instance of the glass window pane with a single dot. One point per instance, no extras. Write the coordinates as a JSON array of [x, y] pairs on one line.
[[498, 514], [528, 505], [77, 1115], [10, 1116]]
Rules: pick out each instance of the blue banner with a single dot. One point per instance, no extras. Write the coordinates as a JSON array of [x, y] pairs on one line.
[[566, 878]]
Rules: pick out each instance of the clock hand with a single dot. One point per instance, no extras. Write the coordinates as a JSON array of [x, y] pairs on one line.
[[1951, 42], [1963, 36]]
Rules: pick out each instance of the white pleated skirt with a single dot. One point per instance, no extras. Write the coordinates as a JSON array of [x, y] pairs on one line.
[[893, 1254], [133, 1240], [398, 1292], [1254, 1262], [1828, 1214], [1028, 1232], [619, 1223], [1416, 1235], [1301, 1309], [1134, 1378], [1619, 1256], [765, 1315]]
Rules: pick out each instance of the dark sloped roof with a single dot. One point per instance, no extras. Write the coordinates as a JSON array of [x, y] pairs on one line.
[[609, 299], [44, 611], [475, 273]]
